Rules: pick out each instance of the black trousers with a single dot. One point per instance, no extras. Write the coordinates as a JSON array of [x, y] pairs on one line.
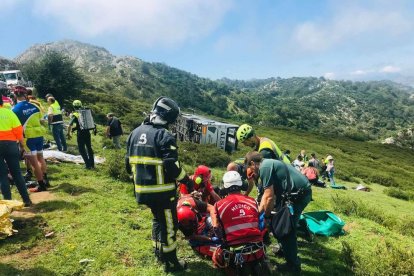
[[85, 148], [164, 227]]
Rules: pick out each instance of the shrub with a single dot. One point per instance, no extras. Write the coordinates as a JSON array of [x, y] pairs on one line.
[[383, 180], [398, 193], [348, 206], [195, 154], [394, 260], [115, 165]]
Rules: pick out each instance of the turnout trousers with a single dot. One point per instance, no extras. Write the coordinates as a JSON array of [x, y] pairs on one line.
[[164, 229]]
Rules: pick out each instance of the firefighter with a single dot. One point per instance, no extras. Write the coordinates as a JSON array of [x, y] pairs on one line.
[[202, 184], [195, 221], [152, 157], [238, 220]]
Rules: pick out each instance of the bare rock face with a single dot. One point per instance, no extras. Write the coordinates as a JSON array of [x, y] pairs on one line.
[[87, 57], [6, 64]]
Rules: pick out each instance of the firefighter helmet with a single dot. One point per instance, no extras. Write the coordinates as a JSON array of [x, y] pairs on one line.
[[166, 108]]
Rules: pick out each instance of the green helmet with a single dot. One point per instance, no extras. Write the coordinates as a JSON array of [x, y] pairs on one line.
[[244, 132], [77, 103]]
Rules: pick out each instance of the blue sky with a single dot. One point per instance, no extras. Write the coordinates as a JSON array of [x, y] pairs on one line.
[[357, 40]]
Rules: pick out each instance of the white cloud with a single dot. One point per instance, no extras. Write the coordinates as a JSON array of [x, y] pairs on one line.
[[155, 23], [360, 72], [348, 23], [329, 75], [390, 69]]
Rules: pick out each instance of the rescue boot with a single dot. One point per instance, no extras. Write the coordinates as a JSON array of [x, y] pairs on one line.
[[172, 264]]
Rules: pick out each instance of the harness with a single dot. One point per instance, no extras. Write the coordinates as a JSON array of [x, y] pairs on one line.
[[243, 254]]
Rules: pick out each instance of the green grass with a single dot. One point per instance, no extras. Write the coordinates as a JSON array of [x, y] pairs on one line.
[[94, 216]]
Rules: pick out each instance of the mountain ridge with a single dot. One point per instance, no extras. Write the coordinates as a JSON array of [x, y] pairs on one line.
[[361, 110]]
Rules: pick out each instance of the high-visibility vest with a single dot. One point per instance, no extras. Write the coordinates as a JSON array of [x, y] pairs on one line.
[[239, 217], [57, 113], [10, 127], [266, 143]]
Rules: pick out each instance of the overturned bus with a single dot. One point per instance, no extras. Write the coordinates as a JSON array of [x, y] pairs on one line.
[[201, 130]]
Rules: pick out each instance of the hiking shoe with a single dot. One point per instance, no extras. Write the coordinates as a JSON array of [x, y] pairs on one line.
[[28, 203], [31, 184], [175, 267], [37, 189]]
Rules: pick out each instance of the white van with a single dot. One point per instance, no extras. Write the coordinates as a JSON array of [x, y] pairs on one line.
[[14, 77]]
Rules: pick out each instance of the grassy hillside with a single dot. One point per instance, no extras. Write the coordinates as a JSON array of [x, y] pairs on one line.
[[99, 229], [360, 110]]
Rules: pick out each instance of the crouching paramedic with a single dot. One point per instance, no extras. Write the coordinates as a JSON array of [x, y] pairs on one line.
[[202, 184], [238, 223], [153, 159], [195, 221]]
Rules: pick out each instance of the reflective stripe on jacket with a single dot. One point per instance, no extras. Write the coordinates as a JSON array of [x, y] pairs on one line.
[[10, 127], [147, 146], [239, 217]]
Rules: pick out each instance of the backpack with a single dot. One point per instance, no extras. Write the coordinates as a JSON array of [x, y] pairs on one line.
[[85, 119], [310, 173]]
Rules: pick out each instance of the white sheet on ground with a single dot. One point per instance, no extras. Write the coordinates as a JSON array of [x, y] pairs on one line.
[[66, 157]]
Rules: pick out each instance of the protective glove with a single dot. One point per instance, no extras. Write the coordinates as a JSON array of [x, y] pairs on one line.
[[262, 221], [95, 131]]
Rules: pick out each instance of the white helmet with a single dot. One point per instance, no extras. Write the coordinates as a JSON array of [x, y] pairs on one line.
[[232, 178]]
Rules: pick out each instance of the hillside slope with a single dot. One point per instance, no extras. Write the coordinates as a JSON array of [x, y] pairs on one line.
[[99, 230]]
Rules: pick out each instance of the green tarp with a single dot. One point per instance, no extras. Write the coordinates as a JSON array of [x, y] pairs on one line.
[[324, 223]]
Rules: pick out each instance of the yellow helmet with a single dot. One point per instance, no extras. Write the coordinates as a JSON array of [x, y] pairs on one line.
[[77, 103], [244, 132]]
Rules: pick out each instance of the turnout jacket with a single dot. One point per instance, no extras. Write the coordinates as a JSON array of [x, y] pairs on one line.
[[153, 159]]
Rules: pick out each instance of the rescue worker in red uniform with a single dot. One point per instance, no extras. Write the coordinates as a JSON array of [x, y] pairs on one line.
[[202, 184], [153, 159], [238, 224], [195, 221]]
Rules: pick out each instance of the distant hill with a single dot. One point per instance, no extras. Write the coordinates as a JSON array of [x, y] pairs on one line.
[[360, 110]]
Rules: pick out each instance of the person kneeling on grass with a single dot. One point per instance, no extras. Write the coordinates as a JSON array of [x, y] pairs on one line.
[[195, 222], [237, 224]]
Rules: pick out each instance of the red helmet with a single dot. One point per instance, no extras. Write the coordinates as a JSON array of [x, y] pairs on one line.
[[19, 90], [202, 173], [187, 220]]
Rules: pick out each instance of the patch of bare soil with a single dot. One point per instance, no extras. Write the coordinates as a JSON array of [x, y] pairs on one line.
[[36, 198], [27, 254]]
